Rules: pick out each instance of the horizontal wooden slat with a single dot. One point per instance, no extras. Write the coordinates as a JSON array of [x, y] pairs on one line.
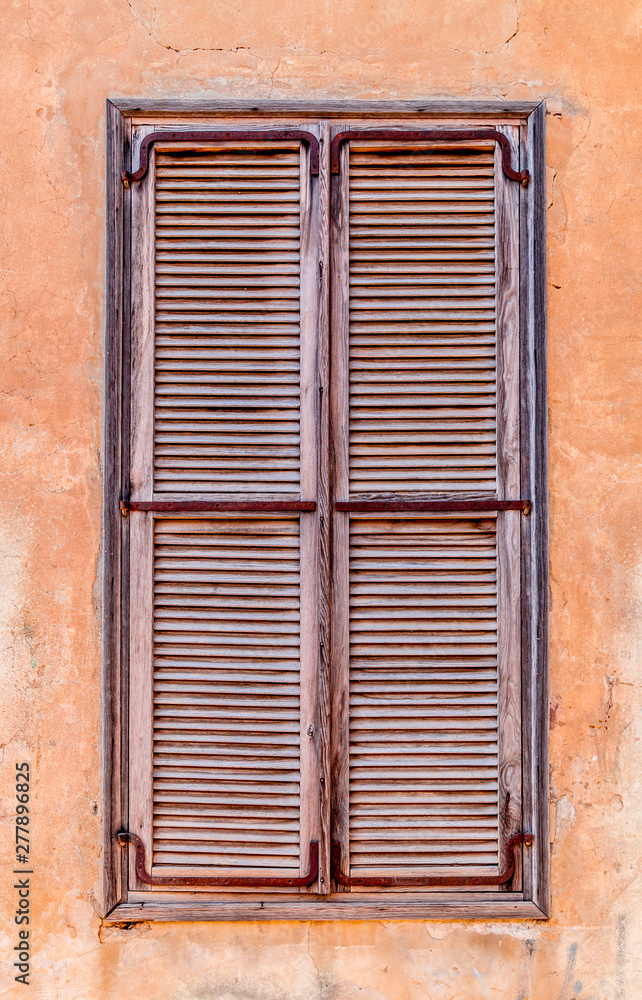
[[227, 258], [226, 768], [423, 751]]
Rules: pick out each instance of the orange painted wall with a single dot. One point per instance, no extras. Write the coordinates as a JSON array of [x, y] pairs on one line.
[[61, 59]]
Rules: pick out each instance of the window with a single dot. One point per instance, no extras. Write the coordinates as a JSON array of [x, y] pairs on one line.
[[325, 513]]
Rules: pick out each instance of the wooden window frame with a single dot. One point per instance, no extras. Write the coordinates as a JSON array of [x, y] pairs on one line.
[[532, 901]]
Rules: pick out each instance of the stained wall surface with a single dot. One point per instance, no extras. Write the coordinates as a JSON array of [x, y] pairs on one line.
[[61, 59]]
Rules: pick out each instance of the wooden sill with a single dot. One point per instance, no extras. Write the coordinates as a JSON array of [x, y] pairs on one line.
[[479, 909]]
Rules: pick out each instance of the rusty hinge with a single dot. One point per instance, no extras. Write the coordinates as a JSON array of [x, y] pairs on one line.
[[285, 135], [182, 506], [231, 881], [365, 506], [412, 881], [395, 135]]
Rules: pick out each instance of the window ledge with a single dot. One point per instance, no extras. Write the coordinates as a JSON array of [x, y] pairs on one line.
[[479, 909]]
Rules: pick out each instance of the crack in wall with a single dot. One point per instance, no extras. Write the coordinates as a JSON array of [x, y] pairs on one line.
[[181, 52], [316, 967], [510, 37]]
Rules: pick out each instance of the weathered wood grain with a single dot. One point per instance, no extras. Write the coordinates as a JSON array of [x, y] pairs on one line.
[[168, 107], [339, 490], [114, 770], [496, 907], [142, 334], [509, 485], [310, 734], [508, 361], [140, 753], [509, 700], [324, 510], [535, 528]]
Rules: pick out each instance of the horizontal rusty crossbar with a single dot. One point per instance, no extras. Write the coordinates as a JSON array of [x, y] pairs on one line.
[[395, 135], [285, 135], [412, 881], [178, 506], [365, 506], [231, 881]]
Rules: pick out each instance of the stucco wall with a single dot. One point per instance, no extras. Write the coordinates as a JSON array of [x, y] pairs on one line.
[[61, 58]]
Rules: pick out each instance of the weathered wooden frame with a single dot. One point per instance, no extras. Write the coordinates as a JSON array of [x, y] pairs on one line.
[[532, 902]]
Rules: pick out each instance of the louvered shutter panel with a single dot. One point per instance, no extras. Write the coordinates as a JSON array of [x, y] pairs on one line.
[[427, 740], [422, 323], [223, 644], [226, 771], [423, 692], [227, 312]]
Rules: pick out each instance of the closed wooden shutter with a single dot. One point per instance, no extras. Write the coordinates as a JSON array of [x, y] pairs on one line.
[[224, 646], [426, 611]]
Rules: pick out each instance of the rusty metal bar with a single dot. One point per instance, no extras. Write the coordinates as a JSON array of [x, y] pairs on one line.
[[365, 506], [230, 881], [268, 506], [395, 135], [413, 881], [285, 135]]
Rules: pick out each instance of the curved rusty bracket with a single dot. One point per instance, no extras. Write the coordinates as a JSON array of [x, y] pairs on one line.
[[233, 881], [430, 135], [412, 881], [286, 135]]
